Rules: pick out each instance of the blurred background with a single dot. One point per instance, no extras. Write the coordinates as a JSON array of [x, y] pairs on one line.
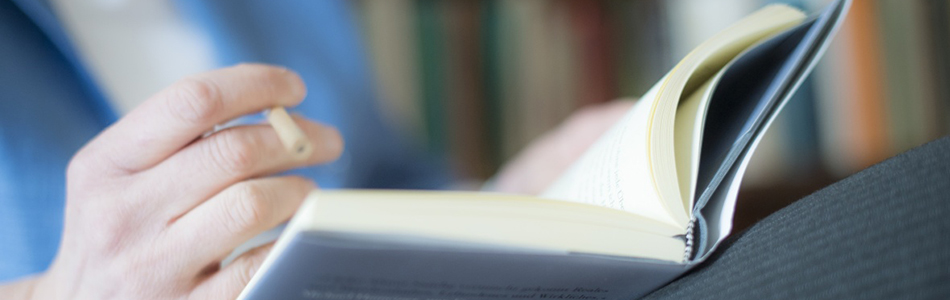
[[480, 79]]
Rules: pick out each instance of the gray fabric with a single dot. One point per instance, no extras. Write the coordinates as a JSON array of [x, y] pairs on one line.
[[883, 233]]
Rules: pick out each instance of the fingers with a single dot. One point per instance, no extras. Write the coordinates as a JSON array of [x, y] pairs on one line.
[[233, 216], [228, 282], [181, 113], [232, 155]]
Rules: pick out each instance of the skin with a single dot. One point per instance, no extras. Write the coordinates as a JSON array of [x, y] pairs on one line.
[[153, 205]]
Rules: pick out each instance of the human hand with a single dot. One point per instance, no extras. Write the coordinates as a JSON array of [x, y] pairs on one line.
[[538, 165], [152, 206]]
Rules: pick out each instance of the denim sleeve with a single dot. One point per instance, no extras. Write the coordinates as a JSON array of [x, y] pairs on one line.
[[321, 41]]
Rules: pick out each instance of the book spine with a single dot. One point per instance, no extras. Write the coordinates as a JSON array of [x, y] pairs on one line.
[[690, 237], [596, 81], [491, 43], [936, 14], [868, 141], [468, 138], [430, 26], [909, 87], [509, 42], [390, 31]]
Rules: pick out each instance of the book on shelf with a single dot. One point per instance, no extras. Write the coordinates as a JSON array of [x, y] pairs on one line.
[[909, 82], [389, 29], [652, 198]]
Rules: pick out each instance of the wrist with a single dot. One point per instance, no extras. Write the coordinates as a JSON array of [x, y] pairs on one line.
[[20, 290]]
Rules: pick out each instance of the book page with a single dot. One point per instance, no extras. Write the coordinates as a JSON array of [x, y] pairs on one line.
[[750, 95], [614, 172], [688, 136], [330, 265], [693, 71], [408, 232], [633, 167]]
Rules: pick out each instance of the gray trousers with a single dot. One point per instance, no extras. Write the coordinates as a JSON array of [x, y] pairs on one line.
[[883, 233]]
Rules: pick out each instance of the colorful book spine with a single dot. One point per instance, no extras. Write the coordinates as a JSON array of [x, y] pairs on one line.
[[467, 120], [594, 46], [481, 79], [391, 35], [431, 25], [868, 141], [909, 87]]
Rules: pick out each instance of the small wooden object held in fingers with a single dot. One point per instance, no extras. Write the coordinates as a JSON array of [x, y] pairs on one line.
[[293, 138]]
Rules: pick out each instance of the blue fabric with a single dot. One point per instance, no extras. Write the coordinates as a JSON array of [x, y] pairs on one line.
[[49, 108], [319, 40]]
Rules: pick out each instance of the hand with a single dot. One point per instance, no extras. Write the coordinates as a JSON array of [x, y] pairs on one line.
[[538, 165], [152, 206]]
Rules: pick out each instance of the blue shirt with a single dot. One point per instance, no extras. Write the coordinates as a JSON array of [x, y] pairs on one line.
[[49, 108]]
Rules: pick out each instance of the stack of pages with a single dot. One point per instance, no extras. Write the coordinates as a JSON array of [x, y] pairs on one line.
[[650, 199]]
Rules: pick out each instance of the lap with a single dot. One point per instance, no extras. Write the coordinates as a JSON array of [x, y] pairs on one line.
[[881, 233]]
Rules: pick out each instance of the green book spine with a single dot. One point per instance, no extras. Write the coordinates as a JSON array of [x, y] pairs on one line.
[[491, 77], [908, 82], [501, 84], [432, 69]]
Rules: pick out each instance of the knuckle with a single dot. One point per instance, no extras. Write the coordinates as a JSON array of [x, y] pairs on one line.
[[77, 169], [235, 152], [94, 161], [86, 173], [195, 101], [249, 208]]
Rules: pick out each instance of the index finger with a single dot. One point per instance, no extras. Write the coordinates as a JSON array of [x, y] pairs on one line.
[[181, 113]]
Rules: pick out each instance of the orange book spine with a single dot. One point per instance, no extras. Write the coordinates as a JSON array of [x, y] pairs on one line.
[[868, 139]]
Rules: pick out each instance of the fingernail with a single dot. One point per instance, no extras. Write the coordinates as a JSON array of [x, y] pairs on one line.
[[297, 86], [333, 141]]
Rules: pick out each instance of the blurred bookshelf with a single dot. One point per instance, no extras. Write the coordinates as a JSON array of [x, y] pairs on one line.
[[479, 80]]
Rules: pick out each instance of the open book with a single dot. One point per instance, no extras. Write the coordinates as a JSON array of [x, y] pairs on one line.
[[651, 198]]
